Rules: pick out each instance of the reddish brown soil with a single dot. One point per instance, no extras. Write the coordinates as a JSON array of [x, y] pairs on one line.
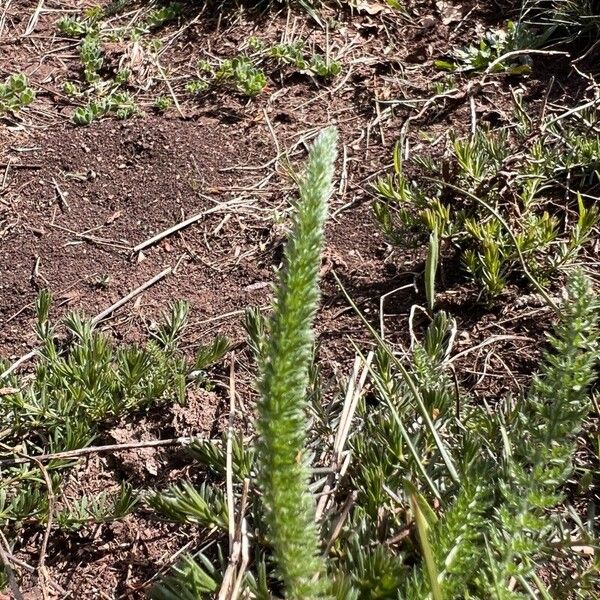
[[75, 201]]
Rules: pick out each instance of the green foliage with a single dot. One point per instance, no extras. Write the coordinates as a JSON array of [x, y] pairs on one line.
[[163, 103], [76, 27], [413, 529], [242, 75], [90, 53], [102, 95], [246, 75], [294, 54], [164, 14], [571, 22], [15, 94], [281, 425], [102, 508], [121, 104], [190, 581], [493, 46], [506, 220], [185, 503], [75, 390]]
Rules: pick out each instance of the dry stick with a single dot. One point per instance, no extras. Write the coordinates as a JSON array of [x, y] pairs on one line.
[[487, 342], [496, 62], [238, 538], [61, 196], [170, 88], [99, 317], [34, 19], [69, 454], [12, 580], [240, 546], [229, 456], [245, 559], [43, 573], [353, 394], [337, 528], [182, 225]]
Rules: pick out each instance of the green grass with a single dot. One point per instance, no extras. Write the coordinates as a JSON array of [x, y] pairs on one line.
[[76, 390]]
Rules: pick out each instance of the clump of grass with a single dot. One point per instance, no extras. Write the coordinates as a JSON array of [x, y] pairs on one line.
[[573, 23]]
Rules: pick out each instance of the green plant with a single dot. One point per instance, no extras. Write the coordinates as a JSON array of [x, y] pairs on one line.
[[502, 224], [281, 425], [571, 22], [163, 103], [159, 16], [15, 93], [196, 86], [121, 104], [241, 73], [293, 54], [90, 53], [72, 27], [75, 390], [79, 27], [440, 496], [488, 53]]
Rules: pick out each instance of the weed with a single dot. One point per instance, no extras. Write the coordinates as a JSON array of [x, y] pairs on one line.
[[490, 49], [121, 104], [159, 16], [293, 54], [73, 393], [90, 53], [490, 252], [574, 23], [242, 74], [196, 86], [15, 94], [72, 27], [163, 103]]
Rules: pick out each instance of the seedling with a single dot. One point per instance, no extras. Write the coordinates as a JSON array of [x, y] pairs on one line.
[[315, 64], [493, 46], [121, 104], [91, 57], [163, 103], [15, 94], [159, 16], [241, 73]]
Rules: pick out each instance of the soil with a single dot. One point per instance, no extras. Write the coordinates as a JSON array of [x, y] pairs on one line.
[[75, 201]]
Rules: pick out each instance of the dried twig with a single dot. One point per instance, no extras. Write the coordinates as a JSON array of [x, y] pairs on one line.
[[183, 224], [12, 580], [105, 313], [353, 394], [70, 454], [99, 317]]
